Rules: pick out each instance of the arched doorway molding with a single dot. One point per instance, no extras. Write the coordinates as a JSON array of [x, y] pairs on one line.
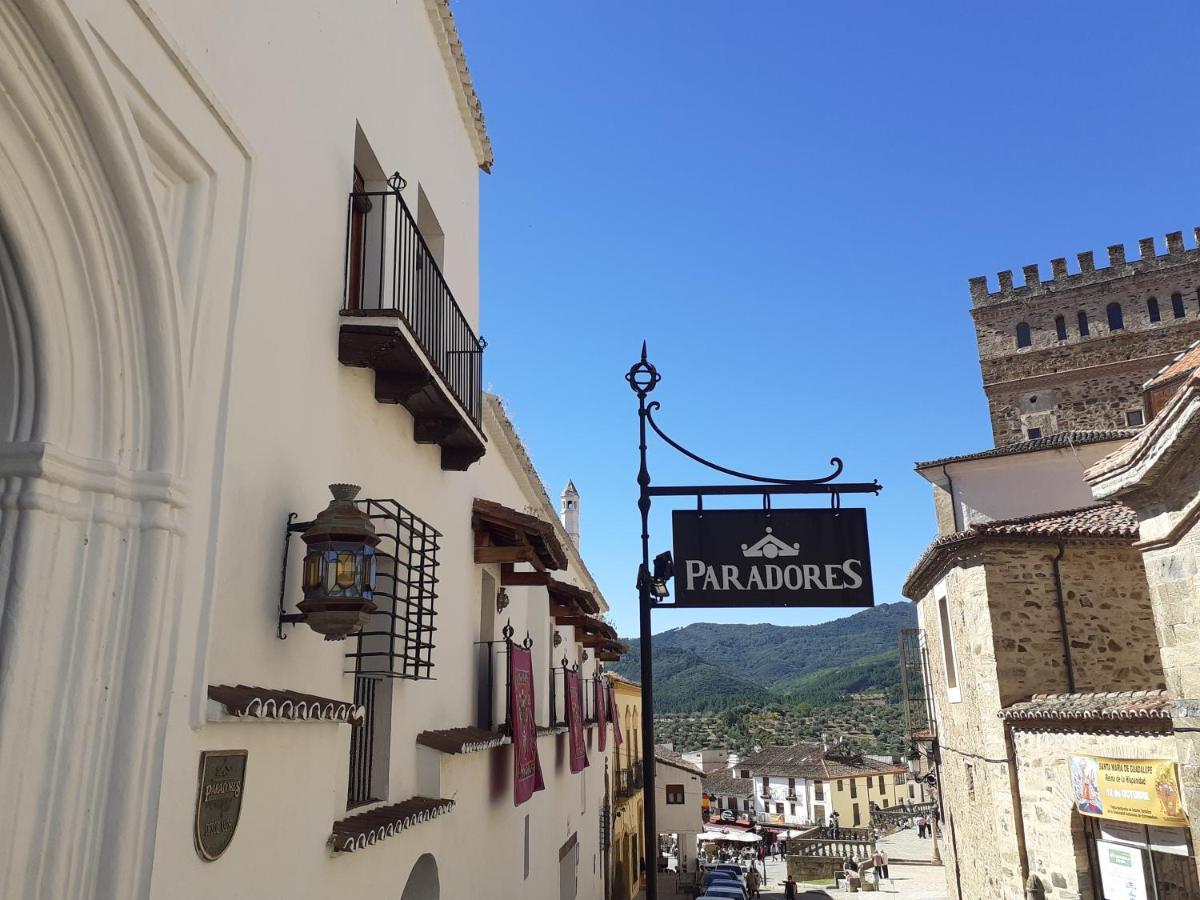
[[423, 881], [92, 431]]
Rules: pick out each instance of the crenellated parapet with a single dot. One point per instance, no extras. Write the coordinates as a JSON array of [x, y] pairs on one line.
[[1060, 278]]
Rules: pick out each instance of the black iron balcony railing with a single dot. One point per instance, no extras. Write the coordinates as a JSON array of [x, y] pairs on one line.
[[391, 269], [629, 779]]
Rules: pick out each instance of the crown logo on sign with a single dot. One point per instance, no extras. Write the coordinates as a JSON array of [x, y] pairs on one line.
[[770, 547]]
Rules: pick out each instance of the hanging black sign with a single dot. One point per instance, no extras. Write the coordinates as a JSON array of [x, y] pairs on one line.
[[219, 800], [780, 557]]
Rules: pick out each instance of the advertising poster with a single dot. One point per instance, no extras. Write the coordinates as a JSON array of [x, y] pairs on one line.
[[1121, 871], [527, 769], [1142, 791], [578, 752], [601, 701]]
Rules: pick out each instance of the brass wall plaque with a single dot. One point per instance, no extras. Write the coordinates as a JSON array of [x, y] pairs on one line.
[[219, 800]]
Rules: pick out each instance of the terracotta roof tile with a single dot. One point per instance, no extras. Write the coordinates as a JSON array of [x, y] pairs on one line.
[[671, 758], [363, 829], [1185, 362], [726, 784], [1111, 705], [462, 740], [263, 703], [1059, 441], [813, 762], [1103, 521]]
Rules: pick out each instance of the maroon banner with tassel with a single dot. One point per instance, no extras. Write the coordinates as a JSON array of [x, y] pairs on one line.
[[618, 738], [578, 752], [527, 769], [601, 710]]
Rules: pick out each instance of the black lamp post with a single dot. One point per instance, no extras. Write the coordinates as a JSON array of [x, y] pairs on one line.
[[339, 567]]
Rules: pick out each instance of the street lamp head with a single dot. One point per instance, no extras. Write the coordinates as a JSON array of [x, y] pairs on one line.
[[339, 567]]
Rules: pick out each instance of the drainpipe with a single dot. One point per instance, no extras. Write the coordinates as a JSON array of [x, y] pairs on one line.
[[1062, 616], [953, 502]]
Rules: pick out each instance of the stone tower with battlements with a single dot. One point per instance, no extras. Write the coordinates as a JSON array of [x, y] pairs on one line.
[[1071, 352]]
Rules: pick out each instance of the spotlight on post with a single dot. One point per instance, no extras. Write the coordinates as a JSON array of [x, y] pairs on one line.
[[664, 570]]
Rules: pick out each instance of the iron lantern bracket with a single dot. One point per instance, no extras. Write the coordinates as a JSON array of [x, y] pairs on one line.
[[287, 618]]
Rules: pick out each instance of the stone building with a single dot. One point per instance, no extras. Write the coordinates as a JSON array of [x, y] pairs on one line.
[[1071, 353], [806, 784], [1046, 647], [628, 810]]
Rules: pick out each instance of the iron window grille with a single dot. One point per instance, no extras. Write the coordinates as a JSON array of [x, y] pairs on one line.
[[397, 641], [362, 745], [389, 267]]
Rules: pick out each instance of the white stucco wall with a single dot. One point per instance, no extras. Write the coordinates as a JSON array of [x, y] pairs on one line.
[[777, 791], [231, 128], [683, 820], [1024, 484]]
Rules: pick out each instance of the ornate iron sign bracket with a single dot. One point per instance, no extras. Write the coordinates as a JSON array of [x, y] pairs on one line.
[[643, 378]]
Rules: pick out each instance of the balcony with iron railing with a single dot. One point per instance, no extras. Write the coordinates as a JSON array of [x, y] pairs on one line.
[[400, 318], [629, 779]]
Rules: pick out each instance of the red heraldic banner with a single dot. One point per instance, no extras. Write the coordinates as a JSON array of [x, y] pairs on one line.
[[601, 710], [618, 738], [527, 770], [579, 760]]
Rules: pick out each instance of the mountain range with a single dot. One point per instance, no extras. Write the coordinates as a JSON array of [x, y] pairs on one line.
[[707, 667]]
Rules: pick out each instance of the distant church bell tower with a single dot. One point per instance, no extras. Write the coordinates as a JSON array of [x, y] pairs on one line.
[[569, 511]]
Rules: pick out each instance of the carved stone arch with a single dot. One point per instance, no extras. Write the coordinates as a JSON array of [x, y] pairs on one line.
[[92, 436]]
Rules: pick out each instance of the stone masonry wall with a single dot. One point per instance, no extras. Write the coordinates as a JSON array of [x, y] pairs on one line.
[[1054, 839], [1173, 573], [1110, 623], [1136, 352], [973, 774], [1008, 646]]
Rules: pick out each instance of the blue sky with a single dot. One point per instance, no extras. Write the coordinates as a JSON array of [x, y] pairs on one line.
[[786, 200]]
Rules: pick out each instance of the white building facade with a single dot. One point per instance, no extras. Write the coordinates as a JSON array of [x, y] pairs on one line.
[[216, 301]]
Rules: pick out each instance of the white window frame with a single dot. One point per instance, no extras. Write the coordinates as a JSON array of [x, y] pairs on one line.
[[948, 645]]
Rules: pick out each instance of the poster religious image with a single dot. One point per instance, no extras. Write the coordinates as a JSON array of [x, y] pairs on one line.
[[1142, 791], [527, 769]]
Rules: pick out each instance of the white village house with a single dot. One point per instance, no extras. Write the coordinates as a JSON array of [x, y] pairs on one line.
[[217, 300]]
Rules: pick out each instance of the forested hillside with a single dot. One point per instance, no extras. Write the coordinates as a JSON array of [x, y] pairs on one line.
[[738, 685]]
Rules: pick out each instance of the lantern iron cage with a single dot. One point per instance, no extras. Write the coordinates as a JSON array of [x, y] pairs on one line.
[[397, 640]]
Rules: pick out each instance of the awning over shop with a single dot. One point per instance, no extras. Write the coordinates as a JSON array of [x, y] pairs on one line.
[[503, 535], [737, 837]]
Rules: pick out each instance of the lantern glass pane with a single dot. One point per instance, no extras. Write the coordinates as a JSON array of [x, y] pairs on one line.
[[347, 570], [312, 571]]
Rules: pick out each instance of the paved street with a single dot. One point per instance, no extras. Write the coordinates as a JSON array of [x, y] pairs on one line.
[[910, 882]]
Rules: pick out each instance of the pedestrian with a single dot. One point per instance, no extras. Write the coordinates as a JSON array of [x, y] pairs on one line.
[[753, 882], [881, 863], [789, 889], [920, 826], [851, 864]]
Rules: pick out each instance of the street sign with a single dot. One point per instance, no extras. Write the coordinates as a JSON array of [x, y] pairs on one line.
[[771, 557]]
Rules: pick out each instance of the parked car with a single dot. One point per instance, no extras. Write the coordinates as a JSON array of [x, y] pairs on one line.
[[726, 890]]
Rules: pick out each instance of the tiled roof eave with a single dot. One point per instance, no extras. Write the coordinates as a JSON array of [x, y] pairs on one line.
[[1074, 525], [361, 830], [1100, 707], [1063, 440]]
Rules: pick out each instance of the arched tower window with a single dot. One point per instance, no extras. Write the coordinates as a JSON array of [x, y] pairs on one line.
[[1116, 319], [1060, 327], [1023, 337], [1152, 309], [1177, 305], [1083, 324]]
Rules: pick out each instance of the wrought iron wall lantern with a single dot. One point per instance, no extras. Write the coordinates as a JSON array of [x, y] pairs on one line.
[[339, 567], [558, 639], [502, 600]]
